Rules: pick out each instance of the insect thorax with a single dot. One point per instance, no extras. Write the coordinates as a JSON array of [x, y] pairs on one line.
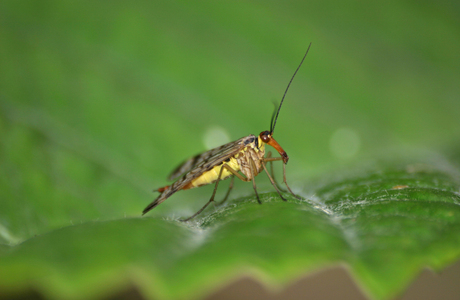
[[255, 151], [251, 148]]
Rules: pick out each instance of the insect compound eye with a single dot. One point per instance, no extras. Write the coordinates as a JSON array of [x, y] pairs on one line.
[[265, 136]]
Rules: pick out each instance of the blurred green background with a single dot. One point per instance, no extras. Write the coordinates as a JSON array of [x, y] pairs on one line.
[[101, 100]]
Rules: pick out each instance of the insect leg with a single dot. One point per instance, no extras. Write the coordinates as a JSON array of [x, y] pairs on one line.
[[252, 167], [228, 192], [269, 155], [215, 189], [273, 182], [270, 159], [285, 182]]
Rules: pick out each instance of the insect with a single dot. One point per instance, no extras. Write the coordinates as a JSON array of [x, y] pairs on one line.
[[246, 156]]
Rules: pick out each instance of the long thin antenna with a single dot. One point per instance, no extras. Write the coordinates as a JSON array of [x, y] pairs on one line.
[[272, 124]]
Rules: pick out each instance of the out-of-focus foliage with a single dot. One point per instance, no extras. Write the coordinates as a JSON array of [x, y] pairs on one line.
[[99, 101]]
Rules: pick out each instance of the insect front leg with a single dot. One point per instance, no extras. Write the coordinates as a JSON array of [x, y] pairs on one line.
[[271, 159], [269, 155], [215, 188], [273, 182], [285, 182]]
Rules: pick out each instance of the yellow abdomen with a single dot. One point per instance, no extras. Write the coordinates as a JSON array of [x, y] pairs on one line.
[[212, 175]]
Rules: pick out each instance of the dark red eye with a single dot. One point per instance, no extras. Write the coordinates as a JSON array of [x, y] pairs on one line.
[[265, 136]]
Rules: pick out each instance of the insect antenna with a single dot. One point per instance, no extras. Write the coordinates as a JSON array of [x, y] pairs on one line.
[[274, 118]]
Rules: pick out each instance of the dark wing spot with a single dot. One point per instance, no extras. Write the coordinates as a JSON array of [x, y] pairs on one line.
[[195, 159], [249, 141], [228, 159]]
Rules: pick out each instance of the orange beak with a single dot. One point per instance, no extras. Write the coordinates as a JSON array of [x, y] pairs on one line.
[[278, 148]]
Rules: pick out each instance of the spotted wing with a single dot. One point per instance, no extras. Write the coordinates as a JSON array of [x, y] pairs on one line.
[[211, 158], [197, 165]]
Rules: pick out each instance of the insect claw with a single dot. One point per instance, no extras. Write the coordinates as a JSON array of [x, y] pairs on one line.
[[187, 219], [257, 195]]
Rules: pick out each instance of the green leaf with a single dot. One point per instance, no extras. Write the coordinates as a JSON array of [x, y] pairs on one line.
[[385, 225]]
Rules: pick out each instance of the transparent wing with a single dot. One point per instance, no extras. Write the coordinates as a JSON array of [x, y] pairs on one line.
[[197, 165]]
